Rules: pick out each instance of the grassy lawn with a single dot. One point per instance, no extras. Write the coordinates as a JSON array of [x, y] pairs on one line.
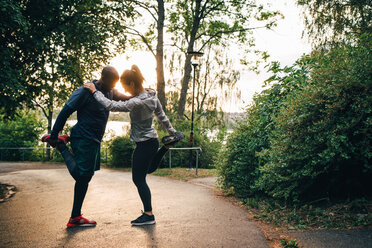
[[175, 173], [184, 174], [347, 215]]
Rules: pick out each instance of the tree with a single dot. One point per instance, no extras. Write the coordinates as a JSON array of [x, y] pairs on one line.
[[216, 79], [14, 61], [213, 22], [334, 20], [65, 42], [156, 11]]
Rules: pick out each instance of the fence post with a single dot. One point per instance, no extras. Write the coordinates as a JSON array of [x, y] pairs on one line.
[[197, 161], [170, 158]]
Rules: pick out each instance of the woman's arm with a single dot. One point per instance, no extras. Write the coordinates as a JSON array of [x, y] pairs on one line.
[[159, 112], [120, 96], [115, 106]]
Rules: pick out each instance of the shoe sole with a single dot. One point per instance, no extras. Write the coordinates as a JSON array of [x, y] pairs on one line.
[[83, 225], [46, 137], [171, 140], [144, 223]]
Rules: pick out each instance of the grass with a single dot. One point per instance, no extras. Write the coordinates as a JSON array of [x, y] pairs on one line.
[[175, 173], [184, 174], [289, 244], [347, 215]]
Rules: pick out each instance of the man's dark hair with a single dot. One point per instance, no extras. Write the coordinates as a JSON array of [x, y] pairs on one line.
[[109, 72]]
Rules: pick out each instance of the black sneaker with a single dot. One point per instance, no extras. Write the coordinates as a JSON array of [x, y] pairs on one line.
[[144, 219], [172, 139]]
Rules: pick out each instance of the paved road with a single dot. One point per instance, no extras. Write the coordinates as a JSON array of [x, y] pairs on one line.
[[359, 238], [187, 215]]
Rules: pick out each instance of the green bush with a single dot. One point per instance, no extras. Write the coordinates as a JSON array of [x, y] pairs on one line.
[[238, 163], [23, 130], [121, 150], [321, 143], [308, 135]]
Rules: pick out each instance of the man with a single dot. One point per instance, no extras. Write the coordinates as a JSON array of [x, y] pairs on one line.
[[85, 137]]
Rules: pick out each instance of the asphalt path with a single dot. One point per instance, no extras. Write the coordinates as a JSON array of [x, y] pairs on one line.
[[187, 215]]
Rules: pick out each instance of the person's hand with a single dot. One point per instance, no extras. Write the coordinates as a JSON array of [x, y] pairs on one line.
[[53, 142], [90, 86]]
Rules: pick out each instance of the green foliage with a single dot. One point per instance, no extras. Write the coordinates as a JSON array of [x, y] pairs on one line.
[[290, 244], [240, 159], [336, 20], [55, 45], [121, 150], [323, 214], [214, 25], [321, 143], [23, 131], [12, 22], [208, 21], [308, 135], [210, 147]]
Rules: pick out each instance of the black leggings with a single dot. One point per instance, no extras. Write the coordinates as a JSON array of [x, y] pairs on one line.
[[81, 187], [81, 184], [145, 155]]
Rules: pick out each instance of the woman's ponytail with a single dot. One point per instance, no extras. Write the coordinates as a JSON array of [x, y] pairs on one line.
[[137, 73], [133, 75]]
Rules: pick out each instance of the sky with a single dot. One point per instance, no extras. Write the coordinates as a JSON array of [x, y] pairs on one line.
[[283, 44]]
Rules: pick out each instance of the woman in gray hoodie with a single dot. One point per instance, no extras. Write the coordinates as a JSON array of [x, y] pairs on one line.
[[147, 155]]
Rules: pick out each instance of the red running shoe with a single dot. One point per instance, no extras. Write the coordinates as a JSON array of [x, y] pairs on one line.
[[80, 221], [61, 139]]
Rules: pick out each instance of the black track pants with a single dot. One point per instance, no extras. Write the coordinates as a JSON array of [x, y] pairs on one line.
[[144, 156]]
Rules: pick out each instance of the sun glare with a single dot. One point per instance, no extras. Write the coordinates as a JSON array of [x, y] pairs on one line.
[[144, 60]]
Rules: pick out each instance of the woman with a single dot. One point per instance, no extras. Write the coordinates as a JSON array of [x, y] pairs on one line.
[[146, 156]]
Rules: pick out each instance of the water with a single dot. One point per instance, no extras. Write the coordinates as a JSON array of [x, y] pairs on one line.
[[113, 128], [121, 128]]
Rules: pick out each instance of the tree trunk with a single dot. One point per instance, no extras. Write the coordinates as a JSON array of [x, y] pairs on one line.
[[160, 87], [185, 86], [188, 69]]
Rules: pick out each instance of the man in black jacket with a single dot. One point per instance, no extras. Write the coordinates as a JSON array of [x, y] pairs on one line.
[[85, 138]]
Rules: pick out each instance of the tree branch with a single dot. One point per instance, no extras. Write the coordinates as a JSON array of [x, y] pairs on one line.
[[137, 33], [176, 46], [224, 32], [203, 10], [42, 108], [147, 8]]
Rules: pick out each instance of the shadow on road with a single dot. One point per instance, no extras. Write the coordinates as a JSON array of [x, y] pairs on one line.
[[70, 233], [150, 231]]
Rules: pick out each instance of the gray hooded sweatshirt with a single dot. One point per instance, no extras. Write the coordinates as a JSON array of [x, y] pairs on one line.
[[141, 110]]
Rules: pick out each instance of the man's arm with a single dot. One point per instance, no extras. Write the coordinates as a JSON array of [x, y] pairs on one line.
[[61, 121], [120, 96], [76, 100]]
